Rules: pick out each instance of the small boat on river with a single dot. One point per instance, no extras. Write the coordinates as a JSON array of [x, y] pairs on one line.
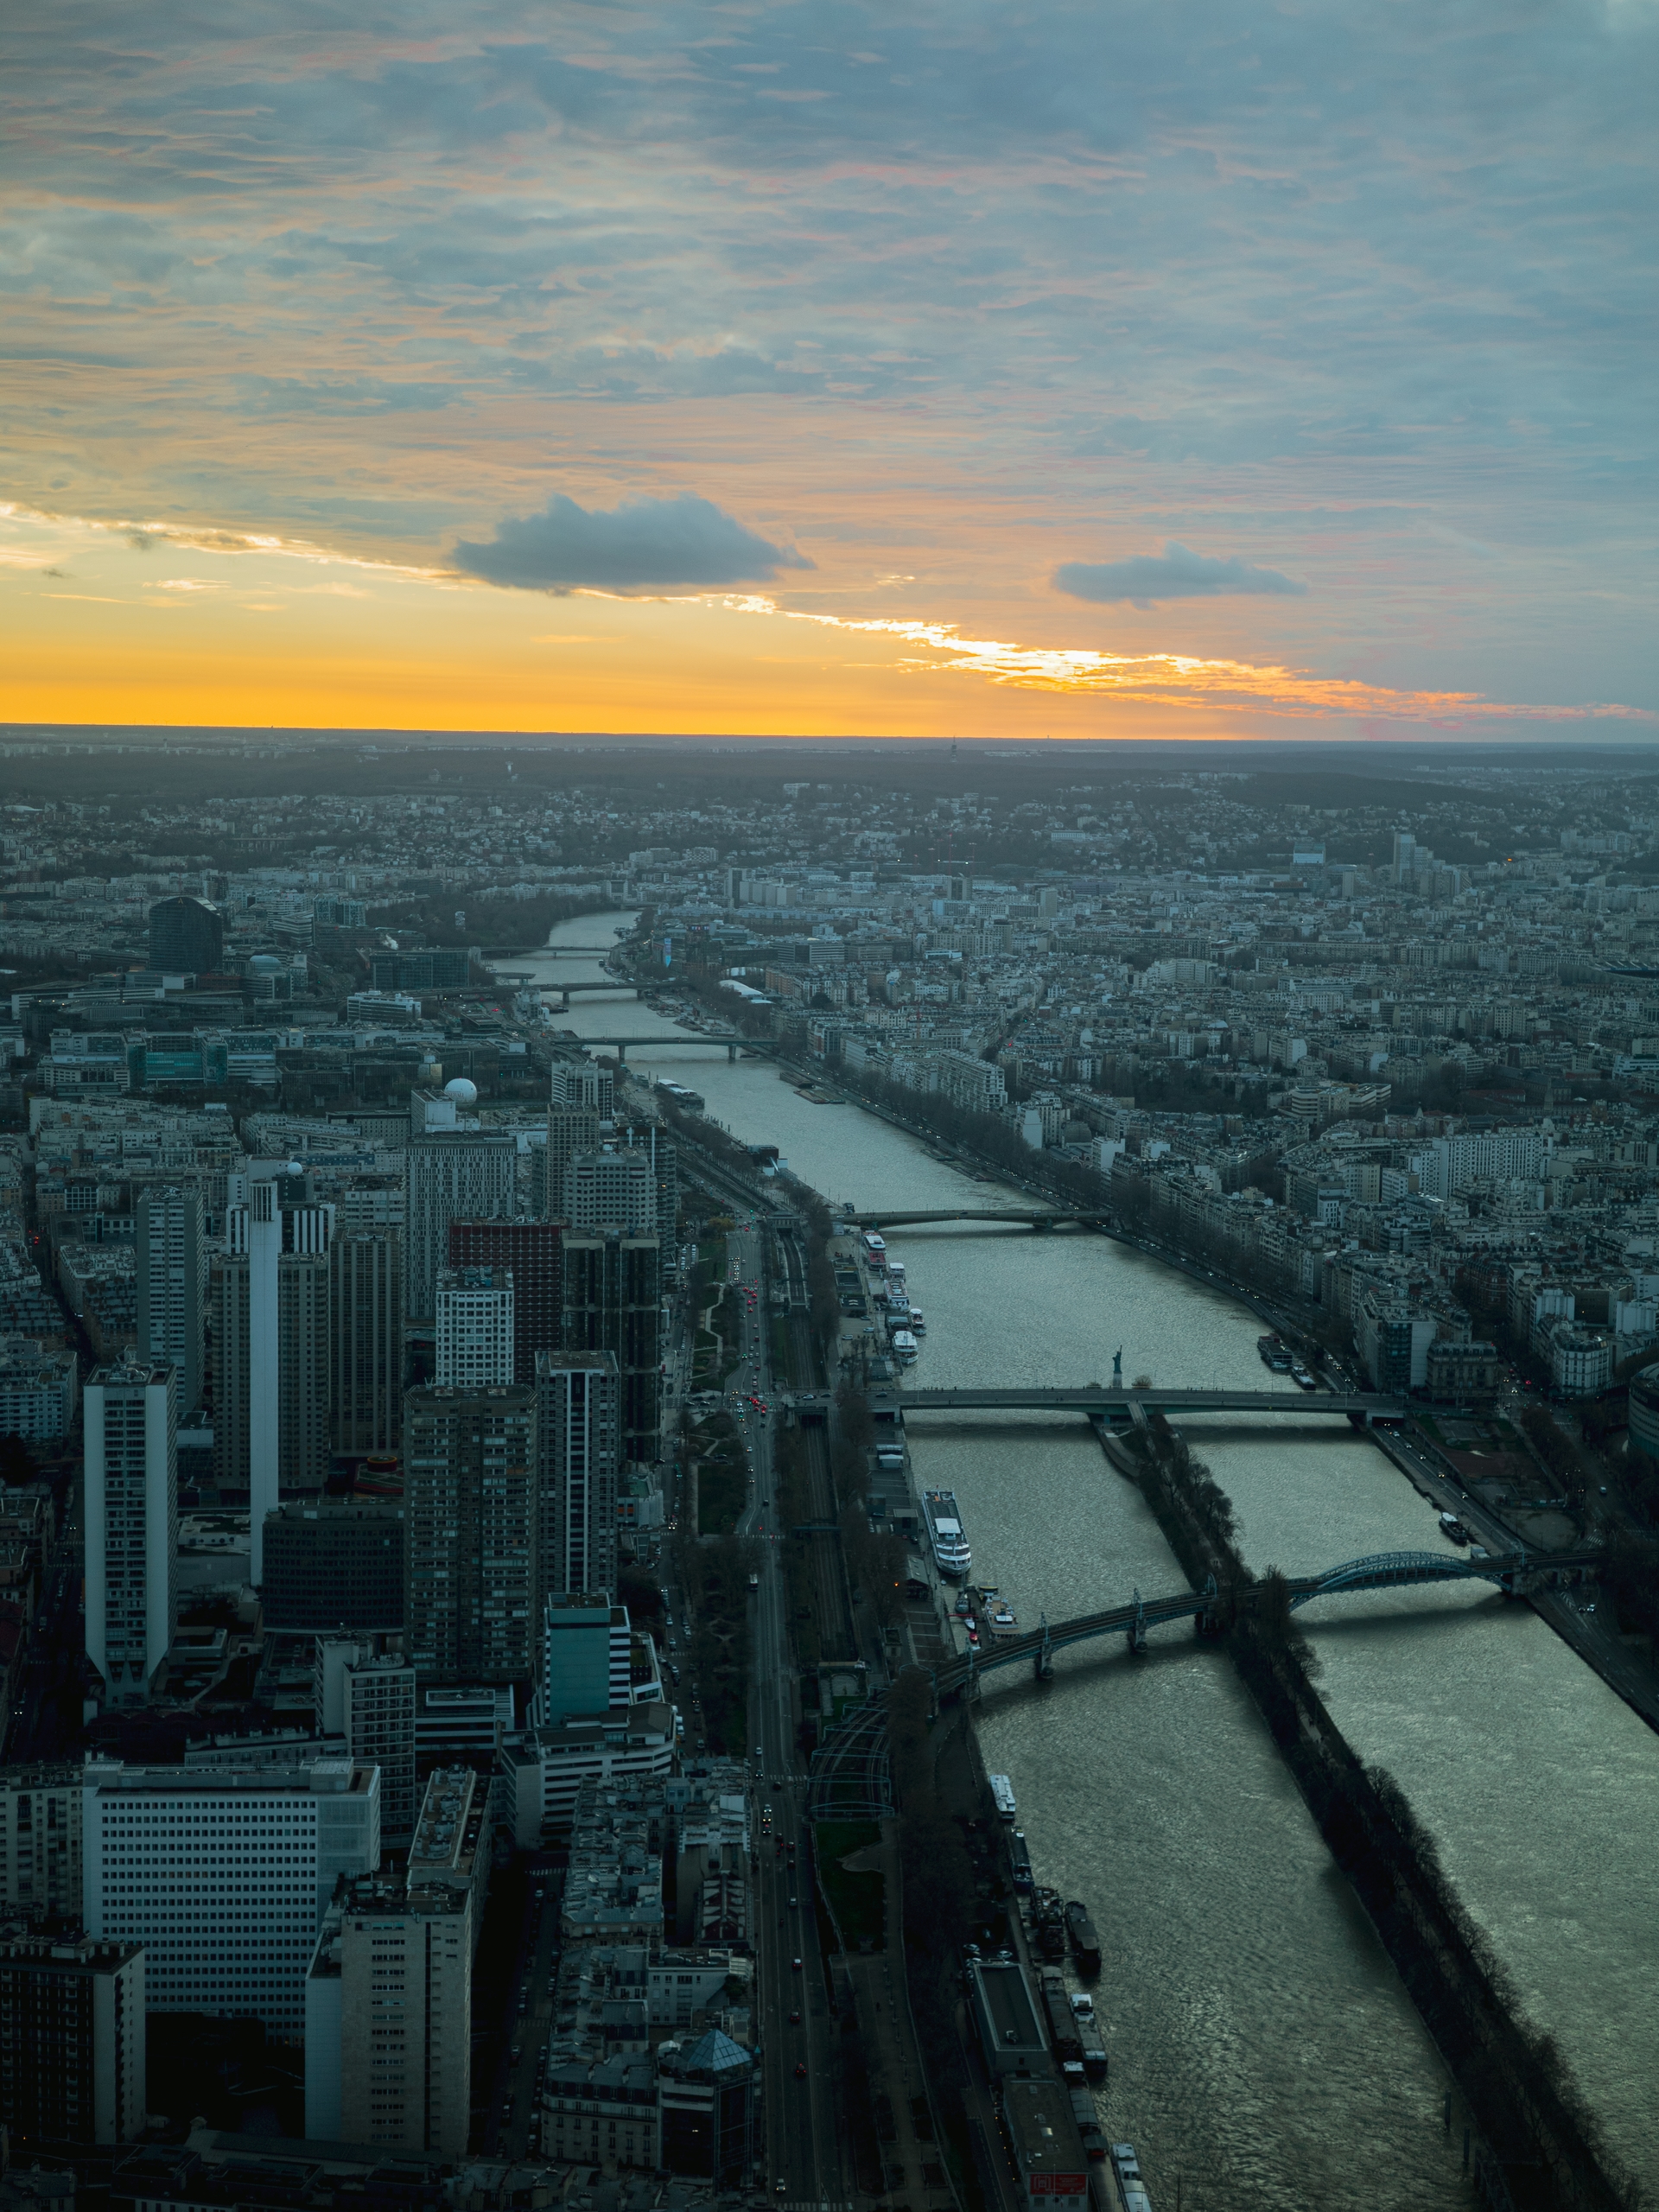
[[1085, 1944]]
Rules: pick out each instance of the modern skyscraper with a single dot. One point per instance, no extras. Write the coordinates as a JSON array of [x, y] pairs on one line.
[[587, 1656], [132, 1525], [272, 1355], [171, 1282], [366, 1341], [305, 1335], [335, 1563], [613, 1188], [452, 1175], [665, 1162], [187, 937], [471, 1524], [571, 1130], [72, 2039], [222, 1873], [612, 1302], [578, 1445], [531, 1251], [583, 1083], [474, 1326]]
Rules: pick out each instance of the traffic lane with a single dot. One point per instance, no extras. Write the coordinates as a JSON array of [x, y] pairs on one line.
[[797, 2144], [519, 2120]]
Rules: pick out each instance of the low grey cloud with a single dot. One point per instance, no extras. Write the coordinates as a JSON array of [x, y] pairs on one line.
[[1176, 572], [642, 545]]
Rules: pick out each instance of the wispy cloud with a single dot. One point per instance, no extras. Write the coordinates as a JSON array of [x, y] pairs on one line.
[[1183, 680], [1176, 572]]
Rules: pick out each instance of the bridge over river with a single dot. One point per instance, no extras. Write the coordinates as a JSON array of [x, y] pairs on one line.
[[1025, 1217], [852, 1758], [734, 1044], [1122, 1404]]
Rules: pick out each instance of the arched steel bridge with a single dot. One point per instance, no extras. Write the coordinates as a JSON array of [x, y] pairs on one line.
[[855, 1755]]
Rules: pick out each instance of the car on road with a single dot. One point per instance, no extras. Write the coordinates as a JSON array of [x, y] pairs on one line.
[[794, 2019], [795, 1966], [800, 2069]]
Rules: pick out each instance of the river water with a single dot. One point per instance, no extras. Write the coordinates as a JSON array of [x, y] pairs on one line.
[[1264, 2053]]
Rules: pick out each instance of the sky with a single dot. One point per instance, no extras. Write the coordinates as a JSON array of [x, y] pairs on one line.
[[1129, 368]]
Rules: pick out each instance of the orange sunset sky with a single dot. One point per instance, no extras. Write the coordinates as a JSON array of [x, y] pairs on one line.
[[1076, 372]]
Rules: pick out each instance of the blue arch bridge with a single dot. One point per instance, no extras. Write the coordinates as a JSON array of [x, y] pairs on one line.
[[849, 1766]]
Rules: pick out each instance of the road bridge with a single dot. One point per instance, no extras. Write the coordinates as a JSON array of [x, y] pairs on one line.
[[849, 1767], [677, 1038], [612, 983], [1123, 1405], [1030, 1217]]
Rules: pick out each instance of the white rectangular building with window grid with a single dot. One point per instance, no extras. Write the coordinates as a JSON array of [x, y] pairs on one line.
[[474, 1326], [223, 1874]]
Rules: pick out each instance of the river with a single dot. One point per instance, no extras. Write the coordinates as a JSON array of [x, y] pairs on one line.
[[1262, 2049]]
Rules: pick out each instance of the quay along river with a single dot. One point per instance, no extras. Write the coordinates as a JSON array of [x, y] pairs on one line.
[[1262, 2049]]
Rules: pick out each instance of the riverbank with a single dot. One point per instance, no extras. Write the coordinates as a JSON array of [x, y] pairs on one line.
[[1243, 1979], [1633, 1682], [1542, 2148]]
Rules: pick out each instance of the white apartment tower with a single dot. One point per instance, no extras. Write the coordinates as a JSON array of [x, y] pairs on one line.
[[583, 1084], [223, 1875], [287, 1427], [474, 1326], [613, 1188], [132, 1525]]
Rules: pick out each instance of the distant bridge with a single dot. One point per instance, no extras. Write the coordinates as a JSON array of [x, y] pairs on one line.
[[1126, 1405], [677, 1038], [1032, 1217], [611, 983], [853, 1758]]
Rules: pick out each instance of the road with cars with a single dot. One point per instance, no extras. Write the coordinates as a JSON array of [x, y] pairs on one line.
[[803, 2146]]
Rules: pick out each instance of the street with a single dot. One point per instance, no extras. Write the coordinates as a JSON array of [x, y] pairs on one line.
[[802, 2139]]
